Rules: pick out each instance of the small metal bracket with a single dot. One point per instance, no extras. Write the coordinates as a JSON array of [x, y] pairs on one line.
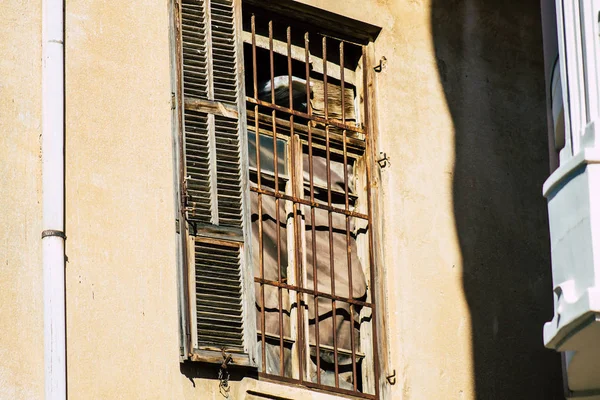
[[227, 358], [224, 388], [381, 66], [383, 160], [185, 197], [391, 378], [52, 232]]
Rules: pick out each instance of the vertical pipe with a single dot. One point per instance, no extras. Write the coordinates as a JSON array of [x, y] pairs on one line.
[[53, 238]]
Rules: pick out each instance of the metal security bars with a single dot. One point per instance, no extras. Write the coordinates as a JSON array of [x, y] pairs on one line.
[[312, 226]]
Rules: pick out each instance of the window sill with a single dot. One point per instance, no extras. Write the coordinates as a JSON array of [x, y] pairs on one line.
[[252, 389]]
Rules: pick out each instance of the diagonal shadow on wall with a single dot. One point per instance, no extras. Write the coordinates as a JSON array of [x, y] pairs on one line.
[[490, 62]]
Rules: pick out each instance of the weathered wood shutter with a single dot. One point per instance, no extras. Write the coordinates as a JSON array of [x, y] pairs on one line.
[[214, 181]]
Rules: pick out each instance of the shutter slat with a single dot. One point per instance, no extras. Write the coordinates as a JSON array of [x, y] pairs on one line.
[[220, 299], [194, 31], [223, 51], [228, 171], [197, 159]]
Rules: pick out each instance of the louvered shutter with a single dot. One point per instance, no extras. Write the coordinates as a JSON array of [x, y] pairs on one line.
[[214, 186]]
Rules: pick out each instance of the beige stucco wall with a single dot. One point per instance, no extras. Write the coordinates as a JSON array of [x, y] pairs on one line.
[[121, 285], [21, 322], [461, 116]]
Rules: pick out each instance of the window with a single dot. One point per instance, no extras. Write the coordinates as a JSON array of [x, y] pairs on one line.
[[277, 237]]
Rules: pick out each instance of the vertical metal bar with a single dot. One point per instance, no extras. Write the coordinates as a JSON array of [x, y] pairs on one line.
[[290, 86], [368, 161], [274, 124], [312, 208], [342, 87], [299, 276], [254, 76], [279, 290], [277, 214], [329, 214], [258, 180], [347, 205], [297, 259]]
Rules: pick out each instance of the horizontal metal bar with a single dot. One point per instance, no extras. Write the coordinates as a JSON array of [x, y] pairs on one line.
[[326, 388], [312, 117], [355, 144], [311, 292], [309, 203]]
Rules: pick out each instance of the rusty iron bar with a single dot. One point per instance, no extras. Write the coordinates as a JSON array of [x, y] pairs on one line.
[[312, 209], [274, 125], [310, 203], [312, 385], [277, 213], [291, 105], [312, 292], [368, 161], [325, 121], [279, 290], [347, 218], [329, 215], [254, 76], [258, 180], [356, 144]]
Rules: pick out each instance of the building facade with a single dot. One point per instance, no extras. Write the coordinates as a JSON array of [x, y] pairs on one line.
[[446, 126], [571, 48]]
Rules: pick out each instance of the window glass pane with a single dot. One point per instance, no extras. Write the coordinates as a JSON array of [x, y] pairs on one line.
[[266, 154]]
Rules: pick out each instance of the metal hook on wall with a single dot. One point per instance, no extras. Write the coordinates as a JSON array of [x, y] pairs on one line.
[[382, 64], [391, 378], [383, 160]]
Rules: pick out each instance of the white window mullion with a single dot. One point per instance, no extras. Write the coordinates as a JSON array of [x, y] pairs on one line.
[[567, 151], [574, 70]]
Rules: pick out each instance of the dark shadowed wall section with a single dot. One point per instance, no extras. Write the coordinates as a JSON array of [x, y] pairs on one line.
[[490, 60]]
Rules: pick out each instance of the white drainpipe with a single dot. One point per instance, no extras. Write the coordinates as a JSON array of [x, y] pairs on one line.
[[53, 238]]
